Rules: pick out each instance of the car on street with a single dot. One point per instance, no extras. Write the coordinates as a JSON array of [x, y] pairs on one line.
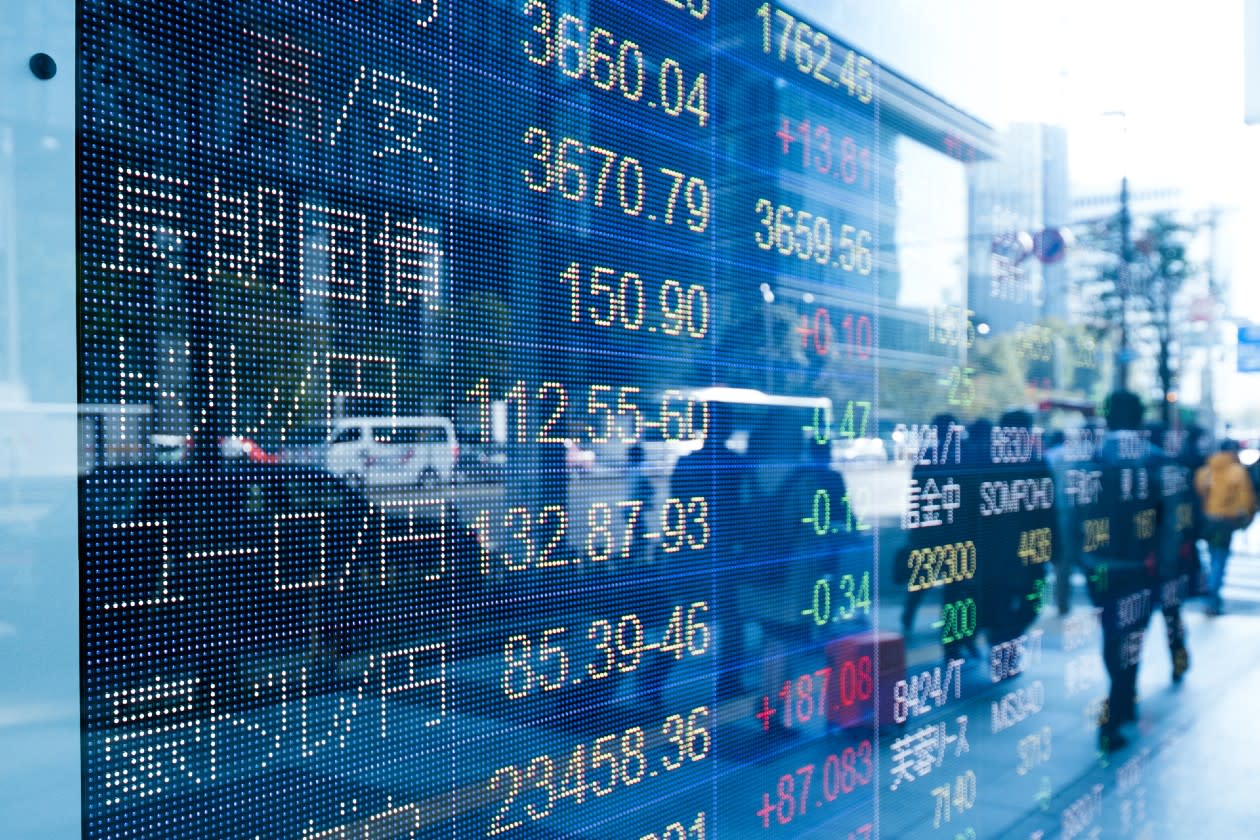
[[393, 451]]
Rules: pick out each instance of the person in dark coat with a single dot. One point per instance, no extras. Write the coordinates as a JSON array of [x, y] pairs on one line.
[[1176, 552], [934, 468], [1017, 540], [799, 555], [720, 477], [1120, 532]]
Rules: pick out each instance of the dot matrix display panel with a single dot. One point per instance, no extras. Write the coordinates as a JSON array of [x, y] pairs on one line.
[[535, 419]]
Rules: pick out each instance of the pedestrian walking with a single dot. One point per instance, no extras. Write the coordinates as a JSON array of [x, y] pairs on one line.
[[1119, 553], [937, 460], [714, 485], [791, 564], [1067, 557], [1177, 557], [1192, 455], [1017, 546], [1229, 504]]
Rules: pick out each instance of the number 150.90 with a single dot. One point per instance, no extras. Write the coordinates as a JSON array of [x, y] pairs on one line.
[[608, 298]]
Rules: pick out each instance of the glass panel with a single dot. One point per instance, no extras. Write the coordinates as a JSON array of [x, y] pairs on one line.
[[667, 419], [42, 445]]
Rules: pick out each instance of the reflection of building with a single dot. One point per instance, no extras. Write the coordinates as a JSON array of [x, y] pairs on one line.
[[1099, 205], [903, 201], [1021, 193]]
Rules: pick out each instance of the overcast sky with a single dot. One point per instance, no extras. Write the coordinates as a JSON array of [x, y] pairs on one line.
[[1175, 70]]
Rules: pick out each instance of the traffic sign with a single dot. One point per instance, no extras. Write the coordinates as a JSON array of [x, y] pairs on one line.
[[1050, 245], [1249, 349]]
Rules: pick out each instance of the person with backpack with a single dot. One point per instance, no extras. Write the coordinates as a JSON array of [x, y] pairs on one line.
[[1229, 504]]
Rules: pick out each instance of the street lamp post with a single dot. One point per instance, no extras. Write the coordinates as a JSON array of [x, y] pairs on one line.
[[1123, 286], [1124, 277]]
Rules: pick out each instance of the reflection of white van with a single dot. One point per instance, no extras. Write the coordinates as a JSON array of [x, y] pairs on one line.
[[393, 450]]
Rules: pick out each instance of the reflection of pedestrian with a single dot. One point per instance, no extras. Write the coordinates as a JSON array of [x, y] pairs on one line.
[[808, 538], [1176, 549], [1119, 554], [974, 528], [1229, 503], [935, 471], [1016, 540], [1069, 548], [637, 579], [715, 479], [639, 492], [552, 484], [1191, 456]]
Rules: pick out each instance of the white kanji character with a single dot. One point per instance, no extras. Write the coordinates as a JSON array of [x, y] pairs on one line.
[[409, 106], [902, 768], [413, 261], [333, 260], [930, 506], [927, 745], [150, 758], [910, 516], [152, 232], [277, 86], [951, 498]]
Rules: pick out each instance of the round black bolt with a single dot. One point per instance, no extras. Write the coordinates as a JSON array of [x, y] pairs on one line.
[[43, 66]]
